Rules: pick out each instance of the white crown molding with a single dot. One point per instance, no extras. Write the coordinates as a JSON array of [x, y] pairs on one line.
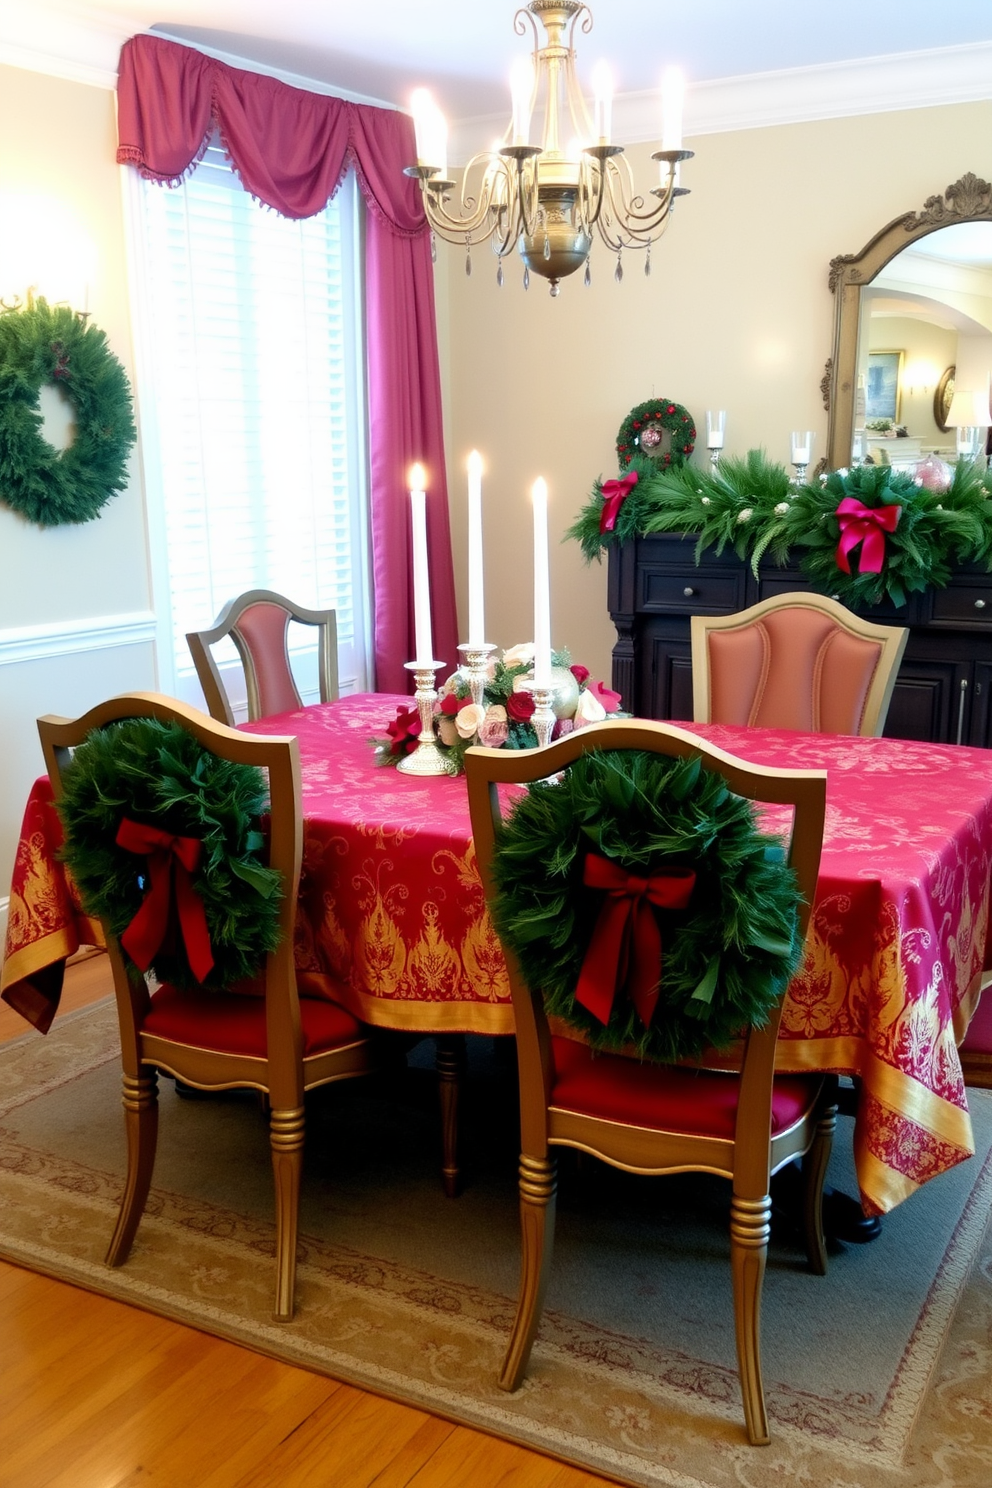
[[69, 637], [77, 42], [83, 45], [872, 85]]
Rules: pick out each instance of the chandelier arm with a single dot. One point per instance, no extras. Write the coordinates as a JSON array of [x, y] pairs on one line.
[[627, 209]]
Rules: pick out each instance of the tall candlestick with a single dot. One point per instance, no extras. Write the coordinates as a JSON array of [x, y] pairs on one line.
[[542, 587], [476, 603], [423, 642]]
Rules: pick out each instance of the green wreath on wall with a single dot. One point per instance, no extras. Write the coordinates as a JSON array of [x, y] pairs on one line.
[[42, 344]]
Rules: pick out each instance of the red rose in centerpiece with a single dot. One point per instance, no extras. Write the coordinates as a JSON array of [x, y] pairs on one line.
[[520, 707], [580, 673], [404, 731], [450, 704]]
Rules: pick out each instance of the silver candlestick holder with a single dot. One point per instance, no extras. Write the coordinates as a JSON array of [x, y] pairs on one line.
[[474, 669], [427, 758], [543, 717]]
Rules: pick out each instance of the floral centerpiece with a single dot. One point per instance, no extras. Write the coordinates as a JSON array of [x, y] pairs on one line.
[[503, 719]]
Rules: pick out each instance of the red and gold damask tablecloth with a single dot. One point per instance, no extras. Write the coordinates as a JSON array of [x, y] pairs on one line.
[[391, 910]]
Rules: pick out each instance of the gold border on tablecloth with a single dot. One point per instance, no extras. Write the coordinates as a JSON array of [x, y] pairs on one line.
[[58, 945]]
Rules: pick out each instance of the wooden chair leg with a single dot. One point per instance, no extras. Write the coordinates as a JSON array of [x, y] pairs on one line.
[[449, 1061], [140, 1099], [286, 1138], [750, 1226], [538, 1182], [814, 1175]]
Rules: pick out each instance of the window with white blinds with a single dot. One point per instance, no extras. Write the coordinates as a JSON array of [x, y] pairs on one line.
[[251, 395]]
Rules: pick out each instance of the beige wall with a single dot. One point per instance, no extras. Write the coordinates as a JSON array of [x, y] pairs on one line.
[[75, 621], [736, 314]]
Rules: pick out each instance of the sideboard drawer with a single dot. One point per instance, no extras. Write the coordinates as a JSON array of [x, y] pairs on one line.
[[963, 603], [692, 591]]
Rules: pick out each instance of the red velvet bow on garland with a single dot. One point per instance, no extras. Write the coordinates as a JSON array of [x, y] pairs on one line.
[[868, 525], [171, 861], [615, 493], [625, 950]]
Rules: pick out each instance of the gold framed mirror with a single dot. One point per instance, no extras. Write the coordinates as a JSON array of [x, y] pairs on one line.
[[968, 200], [942, 399]]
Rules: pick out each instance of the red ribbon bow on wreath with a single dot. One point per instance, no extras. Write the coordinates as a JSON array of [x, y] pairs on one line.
[[868, 525], [625, 950], [615, 493], [171, 861]]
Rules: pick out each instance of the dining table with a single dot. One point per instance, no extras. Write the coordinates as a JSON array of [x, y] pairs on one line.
[[392, 920]]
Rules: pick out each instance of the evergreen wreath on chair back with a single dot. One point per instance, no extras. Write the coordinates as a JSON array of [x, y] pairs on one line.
[[726, 955], [156, 774]]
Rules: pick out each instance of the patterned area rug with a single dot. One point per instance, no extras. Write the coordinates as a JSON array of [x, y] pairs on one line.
[[876, 1374]]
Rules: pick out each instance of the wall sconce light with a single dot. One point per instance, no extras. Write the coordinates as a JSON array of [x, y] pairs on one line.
[[920, 377]]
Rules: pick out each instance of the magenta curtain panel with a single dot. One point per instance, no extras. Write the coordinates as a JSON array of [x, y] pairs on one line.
[[291, 150]]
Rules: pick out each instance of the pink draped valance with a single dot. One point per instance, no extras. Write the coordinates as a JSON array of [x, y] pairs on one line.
[[291, 149]]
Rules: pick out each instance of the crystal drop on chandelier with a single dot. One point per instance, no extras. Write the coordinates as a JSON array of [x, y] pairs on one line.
[[499, 273], [588, 275], [555, 289], [526, 277], [468, 263], [647, 263], [547, 247], [433, 249], [618, 271]]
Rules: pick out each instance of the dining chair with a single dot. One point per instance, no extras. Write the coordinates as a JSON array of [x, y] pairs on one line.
[[655, 1118], [261, 1035], [795, 661], [258, 623], [976, 1046]]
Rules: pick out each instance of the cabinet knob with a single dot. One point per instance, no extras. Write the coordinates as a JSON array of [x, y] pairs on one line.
[[688, 591], [979, 604]]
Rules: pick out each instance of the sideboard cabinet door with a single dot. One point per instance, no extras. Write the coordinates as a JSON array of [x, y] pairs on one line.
[[943, 693]]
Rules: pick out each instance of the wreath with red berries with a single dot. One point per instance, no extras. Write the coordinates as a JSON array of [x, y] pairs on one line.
[[642, 433]]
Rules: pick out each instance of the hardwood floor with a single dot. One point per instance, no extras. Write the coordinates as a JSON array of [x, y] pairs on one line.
[[96, 1394]]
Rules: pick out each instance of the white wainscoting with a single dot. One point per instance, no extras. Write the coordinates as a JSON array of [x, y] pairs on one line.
[[62, 667]]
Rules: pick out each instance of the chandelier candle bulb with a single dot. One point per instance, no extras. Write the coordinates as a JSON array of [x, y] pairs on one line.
[[602, 83], [423, 640], [542, 587], [521, 91], [672, 97], [431, 131], [476, 601]]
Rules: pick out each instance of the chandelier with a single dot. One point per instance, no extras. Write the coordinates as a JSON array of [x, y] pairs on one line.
[[546, 201]]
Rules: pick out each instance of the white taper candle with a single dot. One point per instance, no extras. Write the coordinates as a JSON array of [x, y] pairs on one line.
[[476, 600], [423, 641], [542, 587]]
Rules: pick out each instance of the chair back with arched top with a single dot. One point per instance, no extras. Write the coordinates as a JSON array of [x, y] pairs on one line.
[[742, 1122], [258, 623], [228, 1022], [796, 661]]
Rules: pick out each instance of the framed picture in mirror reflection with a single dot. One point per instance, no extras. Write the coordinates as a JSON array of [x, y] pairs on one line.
[[882, 391]]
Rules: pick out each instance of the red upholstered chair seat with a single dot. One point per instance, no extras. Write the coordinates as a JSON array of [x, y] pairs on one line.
[[664, 1097], [236, 1024]]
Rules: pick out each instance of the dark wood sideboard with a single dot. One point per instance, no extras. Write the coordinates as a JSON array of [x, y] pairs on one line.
[[944, 689]]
